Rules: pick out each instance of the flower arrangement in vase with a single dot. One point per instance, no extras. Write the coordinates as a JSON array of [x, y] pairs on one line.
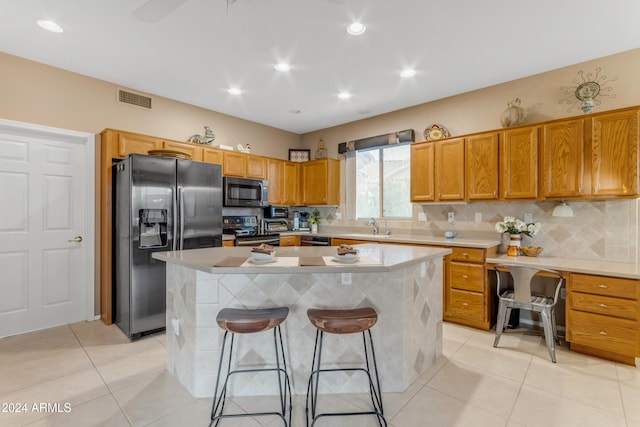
[[516, 228], [315, 219]]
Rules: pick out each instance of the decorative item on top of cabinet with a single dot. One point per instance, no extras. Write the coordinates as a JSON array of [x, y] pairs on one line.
[[299, 155], [589, 86], [206, 139], [602, 317], [514, 115], [436, 131]]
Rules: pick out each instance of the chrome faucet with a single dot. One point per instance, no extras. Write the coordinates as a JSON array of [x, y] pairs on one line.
[[373, 222]]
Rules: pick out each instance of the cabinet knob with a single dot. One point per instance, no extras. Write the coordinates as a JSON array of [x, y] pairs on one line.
[[466, 255], [465, 304], [602, 286], [602, 333], [464, 276], [602, 305]]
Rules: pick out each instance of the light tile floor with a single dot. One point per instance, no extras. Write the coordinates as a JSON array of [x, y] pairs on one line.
[[92, 375]]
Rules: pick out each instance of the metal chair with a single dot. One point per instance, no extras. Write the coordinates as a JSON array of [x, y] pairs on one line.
[[521, 297], [358, 320], [242, 321]]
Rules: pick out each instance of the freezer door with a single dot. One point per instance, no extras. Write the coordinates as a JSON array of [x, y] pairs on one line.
[[152, 227], [199, 205]]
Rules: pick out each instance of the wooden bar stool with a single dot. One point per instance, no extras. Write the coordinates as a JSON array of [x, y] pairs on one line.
[[246, 321], [358, 320]]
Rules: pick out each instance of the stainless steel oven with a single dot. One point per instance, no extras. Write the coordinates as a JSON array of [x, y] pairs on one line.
[[248, 231], [309, 240], [257, 240]]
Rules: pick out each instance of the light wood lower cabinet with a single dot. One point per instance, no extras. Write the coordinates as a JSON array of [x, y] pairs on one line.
[[602, 316], [227, 243], [289, 240], [468, 294], [335, 241]]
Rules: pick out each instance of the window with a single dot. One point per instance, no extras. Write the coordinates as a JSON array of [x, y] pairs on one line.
[[382, 182]]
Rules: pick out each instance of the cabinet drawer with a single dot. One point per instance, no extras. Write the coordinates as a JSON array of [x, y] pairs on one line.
[[467, 276], [602, 285], [616, 307], [466, 304], [467, 254], [289, 240], [603, 332]]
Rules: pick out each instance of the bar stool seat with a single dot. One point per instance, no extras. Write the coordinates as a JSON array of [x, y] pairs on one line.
[[248, 321], [349, 321]]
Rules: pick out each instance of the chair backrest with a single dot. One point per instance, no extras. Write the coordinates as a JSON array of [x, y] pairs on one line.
[[522, 278]]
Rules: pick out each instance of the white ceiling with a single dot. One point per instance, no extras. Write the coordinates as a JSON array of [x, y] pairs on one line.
[[199, 50]]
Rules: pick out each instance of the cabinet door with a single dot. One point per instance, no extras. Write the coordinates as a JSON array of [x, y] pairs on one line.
[[234, 164], [131, 143], [275, 175], [422, 172], [614, 154], [320, 182], [519, 163], [562, 159], [481, 160], [450, 169], [194, 150], [256, 167], [212, 155], [291, 183]]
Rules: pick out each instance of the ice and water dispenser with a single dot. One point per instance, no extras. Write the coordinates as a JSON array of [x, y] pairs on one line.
[[153, 228]]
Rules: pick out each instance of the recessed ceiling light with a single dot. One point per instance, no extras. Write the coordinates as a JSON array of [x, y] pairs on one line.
[[234, 91], [344, 95], [356, 29], [50, 26], [364, 112], [294, 111], [408, 73], [282, 67]]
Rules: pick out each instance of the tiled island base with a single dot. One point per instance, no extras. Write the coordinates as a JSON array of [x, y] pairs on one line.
[[407, 337]]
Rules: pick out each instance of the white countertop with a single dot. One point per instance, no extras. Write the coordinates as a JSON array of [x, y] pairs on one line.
[[586, 266], [375, 258]]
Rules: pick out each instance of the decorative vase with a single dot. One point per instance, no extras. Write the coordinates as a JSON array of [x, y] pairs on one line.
[[514, 115], [314, 228], [514, 245]]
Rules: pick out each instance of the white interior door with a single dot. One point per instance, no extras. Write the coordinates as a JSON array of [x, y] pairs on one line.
[[46, 227]]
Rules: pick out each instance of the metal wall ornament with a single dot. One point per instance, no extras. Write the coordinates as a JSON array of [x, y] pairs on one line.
[[588, 87], [206, 139]]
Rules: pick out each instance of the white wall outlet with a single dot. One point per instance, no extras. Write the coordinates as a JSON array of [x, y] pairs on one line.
[[338, 215], [346, 278], [422, 216], [175, 324], [528, 218], [478, 216], [451, 217]]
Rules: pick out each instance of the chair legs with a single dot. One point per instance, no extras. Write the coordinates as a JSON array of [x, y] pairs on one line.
[[502, 318], [549, 333], [374, 385], [284, 386]]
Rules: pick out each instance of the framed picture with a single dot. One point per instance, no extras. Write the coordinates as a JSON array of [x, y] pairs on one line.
[[299, 155]]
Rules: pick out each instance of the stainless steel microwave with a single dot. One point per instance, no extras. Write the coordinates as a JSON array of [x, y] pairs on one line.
[[245, 192]]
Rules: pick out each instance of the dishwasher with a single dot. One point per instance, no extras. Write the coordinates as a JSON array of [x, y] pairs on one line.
[[308, 240]]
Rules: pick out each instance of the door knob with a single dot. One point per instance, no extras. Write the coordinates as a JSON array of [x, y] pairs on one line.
[[76, 239]]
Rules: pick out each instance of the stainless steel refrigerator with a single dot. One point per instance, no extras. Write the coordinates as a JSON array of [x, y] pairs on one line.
[[161, 204]]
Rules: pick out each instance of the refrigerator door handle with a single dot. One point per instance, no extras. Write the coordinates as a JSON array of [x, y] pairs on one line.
[[181, 216], [175, 222]]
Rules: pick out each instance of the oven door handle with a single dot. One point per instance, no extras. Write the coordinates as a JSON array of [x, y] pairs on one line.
[[256, 242], [313, 243]]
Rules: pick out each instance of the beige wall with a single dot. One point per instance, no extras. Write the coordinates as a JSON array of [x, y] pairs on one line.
[[36, 93], [480, 110]]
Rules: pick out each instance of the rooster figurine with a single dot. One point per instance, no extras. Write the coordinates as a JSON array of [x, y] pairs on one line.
[[206, 139]]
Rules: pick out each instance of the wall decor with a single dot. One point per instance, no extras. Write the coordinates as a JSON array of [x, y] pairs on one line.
[[206, 139], [588, 87], [514, 115], [436, 131], [299, 155]]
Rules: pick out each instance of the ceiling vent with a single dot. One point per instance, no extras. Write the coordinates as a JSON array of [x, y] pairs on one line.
[[136, 99]]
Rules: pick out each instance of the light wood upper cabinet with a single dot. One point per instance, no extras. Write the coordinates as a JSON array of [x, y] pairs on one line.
[[449, 178], [256, 167], [562, 159], [481, 160], [234, 164], [275, 175], [212, 155], [291, 183], [614, 154], [132, 143], [423, 172], [194, 150], [320, 182], [519, 163]]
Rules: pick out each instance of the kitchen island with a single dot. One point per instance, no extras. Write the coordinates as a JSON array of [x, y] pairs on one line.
[[403, 283]]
